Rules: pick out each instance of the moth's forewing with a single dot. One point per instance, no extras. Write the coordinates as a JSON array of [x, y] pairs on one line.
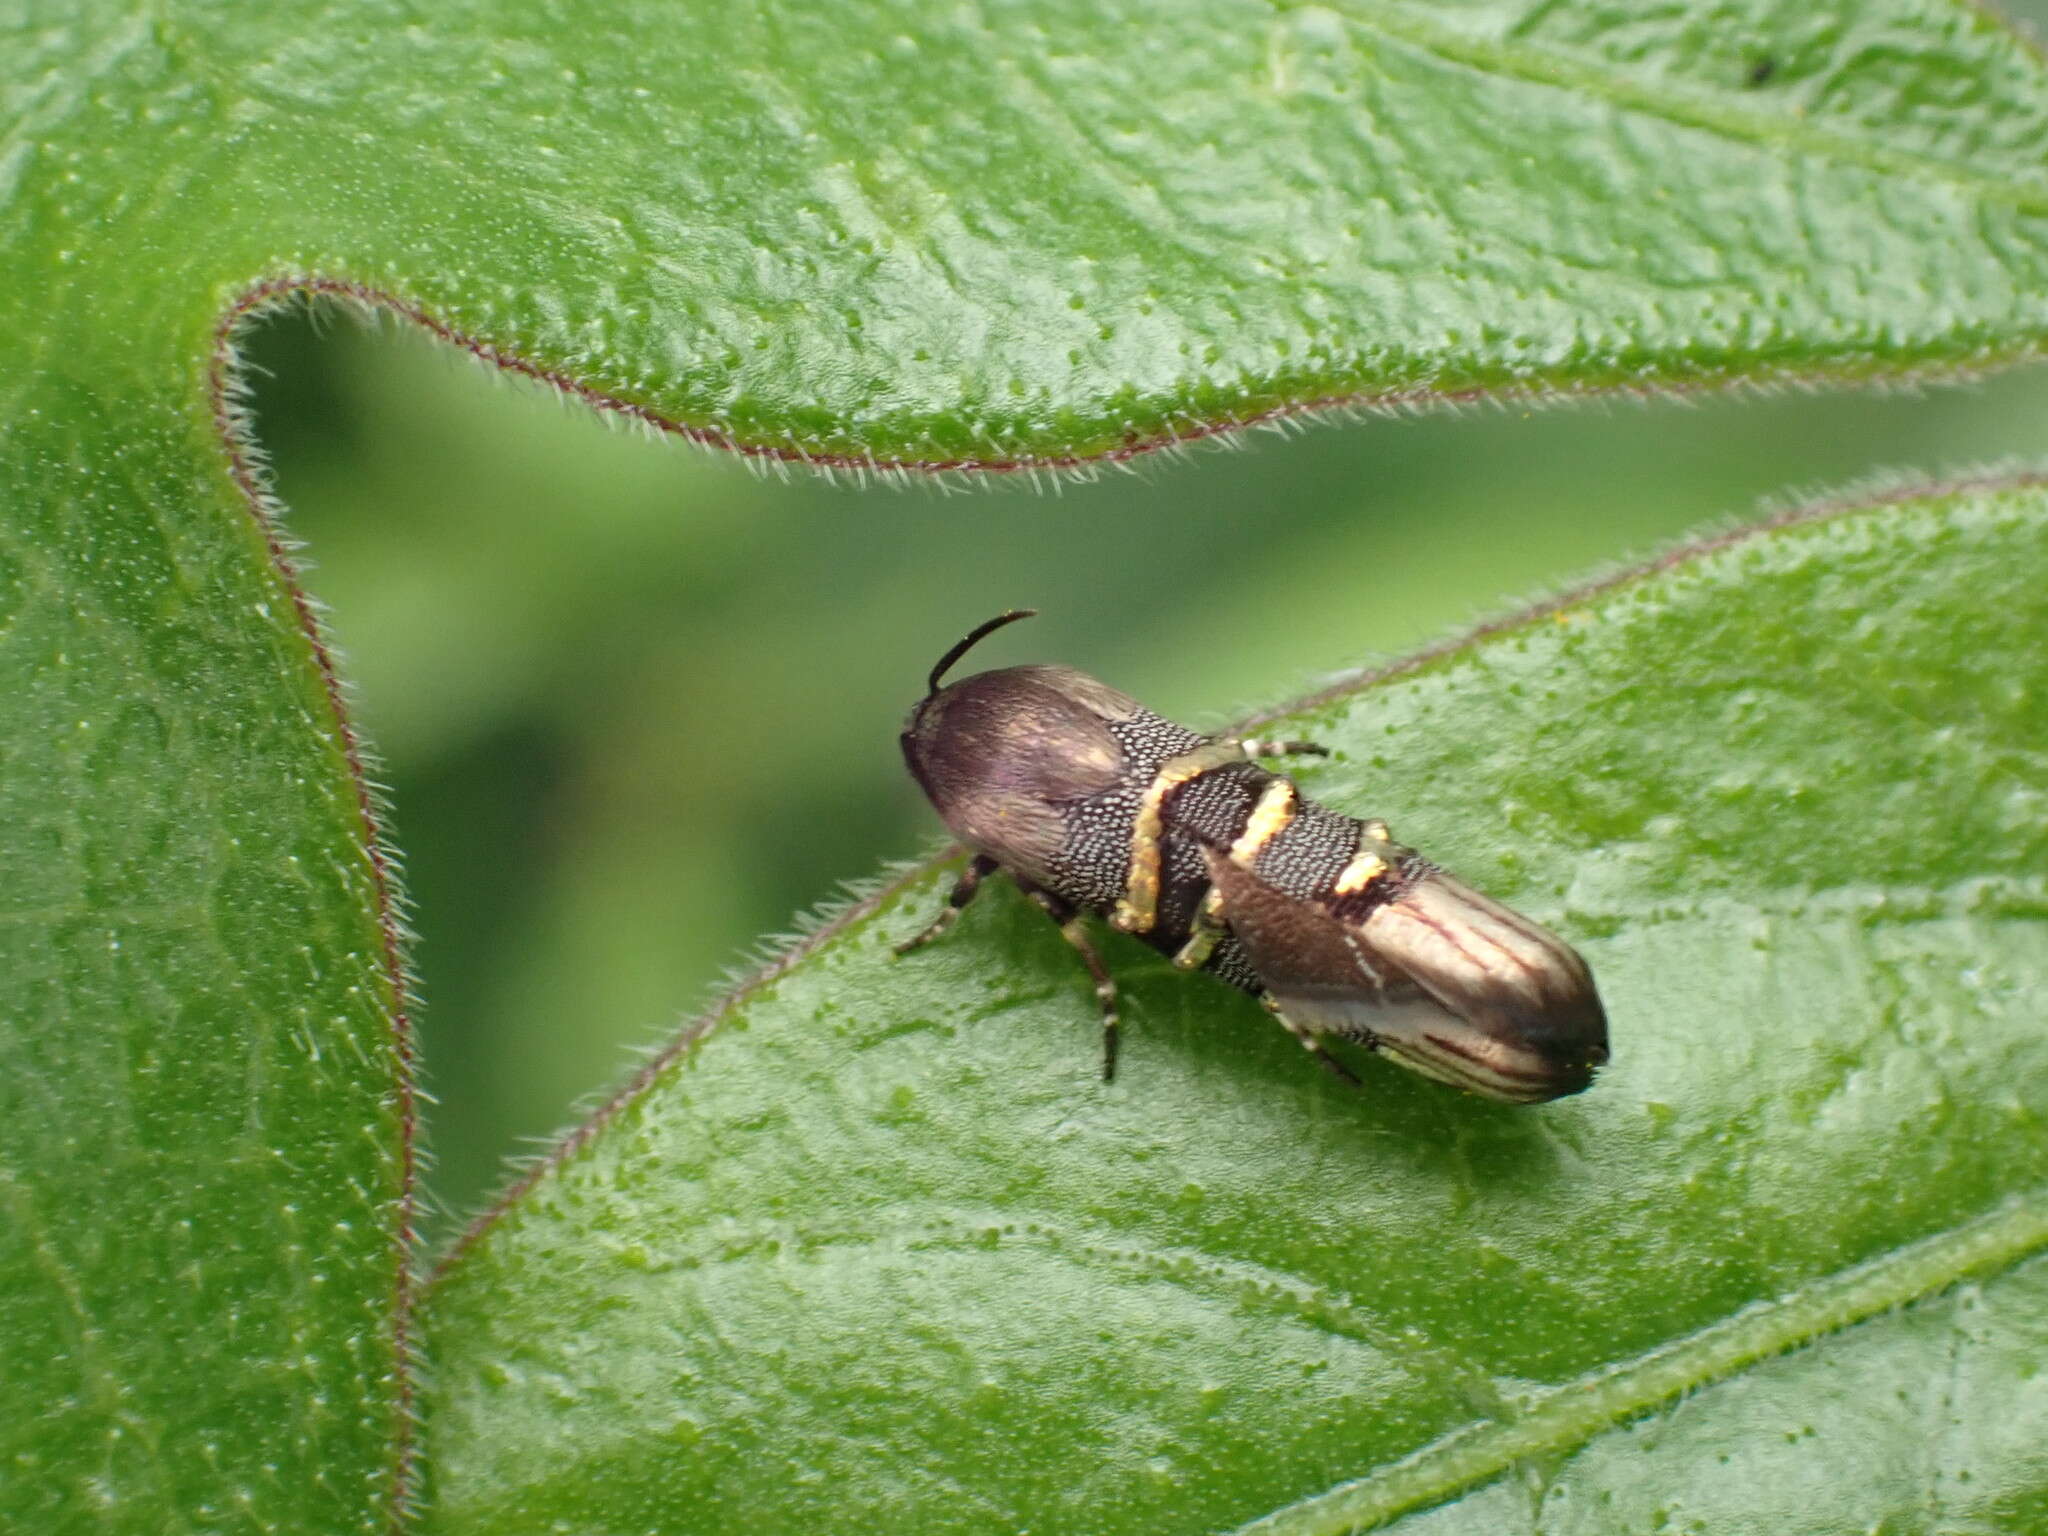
[[1447, 982]]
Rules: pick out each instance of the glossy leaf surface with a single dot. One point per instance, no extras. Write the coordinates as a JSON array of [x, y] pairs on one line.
[[876, 1245]]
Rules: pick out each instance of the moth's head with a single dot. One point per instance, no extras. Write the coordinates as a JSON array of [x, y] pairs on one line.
[[1000, 754]]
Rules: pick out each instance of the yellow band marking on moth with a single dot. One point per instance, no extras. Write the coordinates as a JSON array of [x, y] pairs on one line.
[[1363, 869], [1269, 818], [1139, 909]]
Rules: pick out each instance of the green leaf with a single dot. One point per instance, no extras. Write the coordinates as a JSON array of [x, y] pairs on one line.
[[202, 1129], [924, 235], [872, 1246]]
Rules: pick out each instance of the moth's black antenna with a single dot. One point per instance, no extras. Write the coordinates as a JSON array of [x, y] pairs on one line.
[[975, 637]]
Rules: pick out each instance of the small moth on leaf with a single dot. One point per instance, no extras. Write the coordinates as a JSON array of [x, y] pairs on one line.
[[1092, 803]]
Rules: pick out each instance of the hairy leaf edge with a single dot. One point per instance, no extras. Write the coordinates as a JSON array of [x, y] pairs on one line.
[[227, 398], [1179, 431]]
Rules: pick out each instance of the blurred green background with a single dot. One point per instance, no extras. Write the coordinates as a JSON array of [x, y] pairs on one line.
[[636, 703]]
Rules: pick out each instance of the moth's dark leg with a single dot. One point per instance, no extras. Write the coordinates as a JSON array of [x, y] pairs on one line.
[[1314, 1047], [1105, 984], [978, 870]]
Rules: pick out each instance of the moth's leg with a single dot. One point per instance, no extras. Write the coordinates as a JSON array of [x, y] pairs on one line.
[[1203, 932], [1258, 746], [977, 870], [1075, 934], [1313, 1046]]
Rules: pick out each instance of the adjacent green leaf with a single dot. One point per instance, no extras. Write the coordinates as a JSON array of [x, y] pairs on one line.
[[922, 232], [201, 1145], [873, 1247]]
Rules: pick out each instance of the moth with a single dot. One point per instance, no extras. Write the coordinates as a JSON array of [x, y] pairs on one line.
[[1094, 804]]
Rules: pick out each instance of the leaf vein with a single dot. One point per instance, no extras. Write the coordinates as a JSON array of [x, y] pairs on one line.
[[1576, 1412], [1665, 99]]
